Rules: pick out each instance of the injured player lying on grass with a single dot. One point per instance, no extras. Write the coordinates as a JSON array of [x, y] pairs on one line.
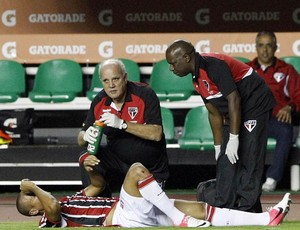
[[142, 203]]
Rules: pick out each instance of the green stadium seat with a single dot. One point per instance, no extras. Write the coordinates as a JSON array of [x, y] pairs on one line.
[[242, 59], [197, 133], [133, 72], [58, 80], [96, 85], [168, 124], [12, 78], [168, 86], [293, 60]]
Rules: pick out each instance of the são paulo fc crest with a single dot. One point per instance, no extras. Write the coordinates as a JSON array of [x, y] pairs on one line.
[[278, 76], [250, 125], [133, 111]]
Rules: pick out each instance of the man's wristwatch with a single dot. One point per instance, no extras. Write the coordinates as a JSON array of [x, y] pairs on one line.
[[292, 108], [124, 125]]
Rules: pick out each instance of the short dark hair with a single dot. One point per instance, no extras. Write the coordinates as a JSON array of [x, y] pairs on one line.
[[269, 33], [185, 46], [21, 205]]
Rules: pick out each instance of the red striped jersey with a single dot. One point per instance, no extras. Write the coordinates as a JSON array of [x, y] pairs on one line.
[[80, 210]]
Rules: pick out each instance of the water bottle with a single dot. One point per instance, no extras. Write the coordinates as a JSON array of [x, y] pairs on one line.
[[93, 148]]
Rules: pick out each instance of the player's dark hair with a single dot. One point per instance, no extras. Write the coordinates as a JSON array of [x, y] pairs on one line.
[[21, 206]]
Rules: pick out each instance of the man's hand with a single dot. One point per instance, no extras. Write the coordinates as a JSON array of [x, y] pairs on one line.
[[217, 151], [111, 120], [90, 135], [90, 162], [285, 114], [232, 148], [27, 186]]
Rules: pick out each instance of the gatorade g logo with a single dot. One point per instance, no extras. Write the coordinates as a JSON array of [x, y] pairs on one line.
[[9, 50], [105, 49], [203, 46], [250, 125], [9, 18], [105, 17]]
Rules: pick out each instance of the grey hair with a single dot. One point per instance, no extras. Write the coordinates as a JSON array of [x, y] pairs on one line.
[[116, 62], [269, 33]]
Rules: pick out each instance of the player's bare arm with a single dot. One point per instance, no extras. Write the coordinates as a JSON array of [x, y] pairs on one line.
[[216, 122], [234, 109], [145, 131], [80, 140], [50, 205], [97, 181]]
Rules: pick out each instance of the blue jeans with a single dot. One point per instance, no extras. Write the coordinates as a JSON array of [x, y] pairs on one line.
[[283, 134]]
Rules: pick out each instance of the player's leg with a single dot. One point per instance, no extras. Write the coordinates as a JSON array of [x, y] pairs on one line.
[[229, 217], [139, 182], [192, 208]]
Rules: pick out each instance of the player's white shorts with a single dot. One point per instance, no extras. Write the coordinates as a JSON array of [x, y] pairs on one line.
[[138, 212]]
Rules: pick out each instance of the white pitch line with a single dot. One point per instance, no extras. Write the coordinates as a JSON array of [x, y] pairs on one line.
[[39, 164], [45, 182]]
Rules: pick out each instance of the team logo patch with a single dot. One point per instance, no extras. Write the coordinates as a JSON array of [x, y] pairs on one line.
[[278, 76], [133, 111], [250, 125]]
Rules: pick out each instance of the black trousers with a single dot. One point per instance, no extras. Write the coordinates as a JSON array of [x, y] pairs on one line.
[[114, 171], [238, 186]]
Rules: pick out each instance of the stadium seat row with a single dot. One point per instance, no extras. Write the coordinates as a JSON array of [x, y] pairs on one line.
[[61, 80]]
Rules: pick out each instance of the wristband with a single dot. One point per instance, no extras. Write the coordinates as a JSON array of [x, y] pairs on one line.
[[233, 136], [292, 108], [83, 157], [217, 148]]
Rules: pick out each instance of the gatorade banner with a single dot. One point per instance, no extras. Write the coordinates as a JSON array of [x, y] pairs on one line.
[[144, 16], [142, 48], [89, 31]]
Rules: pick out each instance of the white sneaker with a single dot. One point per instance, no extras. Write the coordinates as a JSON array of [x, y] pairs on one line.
[[269, 185], [189, 221]]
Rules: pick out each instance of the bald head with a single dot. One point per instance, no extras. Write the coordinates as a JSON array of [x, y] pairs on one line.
[[181, 57], [182, 46]]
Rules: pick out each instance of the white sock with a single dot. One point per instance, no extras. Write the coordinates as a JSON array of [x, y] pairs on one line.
[[230, 217], [152, 192]]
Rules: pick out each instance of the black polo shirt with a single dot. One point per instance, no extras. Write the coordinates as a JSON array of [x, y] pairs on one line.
[[141, 106], [217, 75]]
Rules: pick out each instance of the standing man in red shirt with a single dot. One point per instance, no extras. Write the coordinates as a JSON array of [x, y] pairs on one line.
[[284, 82], [239, 105]]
